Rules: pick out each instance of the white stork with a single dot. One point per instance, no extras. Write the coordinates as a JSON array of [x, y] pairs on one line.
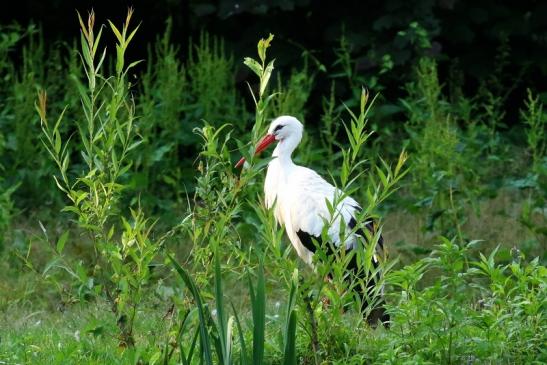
[[299, 195]]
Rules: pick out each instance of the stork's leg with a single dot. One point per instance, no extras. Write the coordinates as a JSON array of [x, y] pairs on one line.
[[378, 313], [307, 296], [313, 324]]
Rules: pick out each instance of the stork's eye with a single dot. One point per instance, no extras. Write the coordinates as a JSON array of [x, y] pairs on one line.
[[278, 127]]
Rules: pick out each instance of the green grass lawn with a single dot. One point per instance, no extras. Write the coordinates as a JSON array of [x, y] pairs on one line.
[[83, 333]]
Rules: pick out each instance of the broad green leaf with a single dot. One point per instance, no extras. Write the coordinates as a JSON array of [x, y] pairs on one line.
[[253, 65]]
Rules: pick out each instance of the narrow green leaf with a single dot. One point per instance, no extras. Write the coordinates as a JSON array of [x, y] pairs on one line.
[[119, 59], [61, 242], [131, 35], [192, 347], [116, 32], [86, 52], [101, 60], [382, 176], [82, 25], [289, 351], [96, 43], [57, 143], [244, 357], [258, 302], [229, 330], [289, 355], [133, 64], [266, 76], [221, 324], [135, 145], [263, 45], [204, 334]]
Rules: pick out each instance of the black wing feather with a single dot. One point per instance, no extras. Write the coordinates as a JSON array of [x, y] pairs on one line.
[[307, 241]]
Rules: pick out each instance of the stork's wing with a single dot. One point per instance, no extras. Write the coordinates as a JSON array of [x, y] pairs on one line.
[[309, 212]]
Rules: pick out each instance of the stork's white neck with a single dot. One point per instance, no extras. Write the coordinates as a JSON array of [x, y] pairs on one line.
[[284, 149]]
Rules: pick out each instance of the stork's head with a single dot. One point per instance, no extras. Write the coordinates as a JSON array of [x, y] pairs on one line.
[[284, 129]]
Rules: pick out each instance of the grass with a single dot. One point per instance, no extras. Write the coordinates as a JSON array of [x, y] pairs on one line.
[[468, 317], [166, 254], [81, 333]]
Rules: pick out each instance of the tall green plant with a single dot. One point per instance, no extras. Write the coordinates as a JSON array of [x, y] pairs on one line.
[[292, 96], [535, 119], [218, 188], [106, 130], [212, 80], [382, 182], [166, 131], [532, 216], [264, 71], [443, 177]]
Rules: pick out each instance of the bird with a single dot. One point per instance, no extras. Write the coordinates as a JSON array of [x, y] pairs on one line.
[[298, 197]]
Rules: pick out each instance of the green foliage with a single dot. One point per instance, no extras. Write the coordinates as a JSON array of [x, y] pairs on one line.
[[475, 310], [165, 131], [7, 210], [176, 97], [535, 118], [444, 178], [220, 332], [8, 39], [291, 98], [264, 71], [367, 279], [106, 131], [39, 65], [212, 83], [532, 215]]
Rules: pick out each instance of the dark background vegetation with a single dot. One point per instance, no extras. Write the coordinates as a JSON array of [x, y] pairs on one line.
[[465, 35]]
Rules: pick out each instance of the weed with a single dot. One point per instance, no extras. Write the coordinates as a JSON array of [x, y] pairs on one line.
[[534, 118], [162, 125], [292, 97], [107, 135], [212, 83], [458, 317], [441, 169]]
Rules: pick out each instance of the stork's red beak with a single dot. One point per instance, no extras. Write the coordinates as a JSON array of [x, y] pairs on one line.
[[267, 140]]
